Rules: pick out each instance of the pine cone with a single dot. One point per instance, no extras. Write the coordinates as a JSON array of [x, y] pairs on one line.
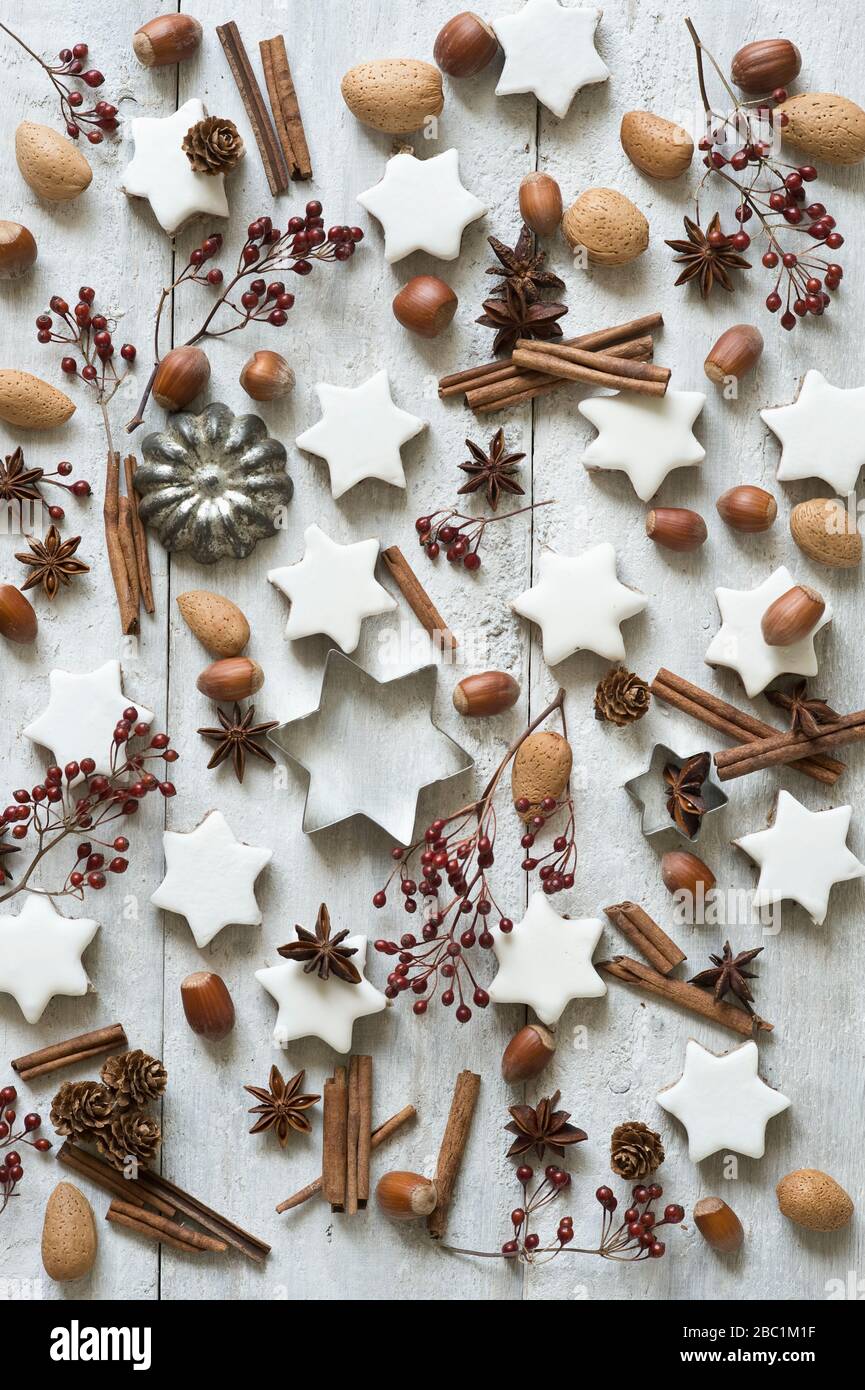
[[635, 1150], [129, 1135], [213, 146], [135, 1078], [81, 1108], [621, 697]]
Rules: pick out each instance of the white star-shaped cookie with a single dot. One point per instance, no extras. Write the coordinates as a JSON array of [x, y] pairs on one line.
[[578, 603], [332, 589], [81, 715], [822, 433], [644, 436], [310, 1007], [550, 51], [210, 878], [546, 961], [160, 172], [422, 206], [722, 1102], [360, 433], [801, 855], [40, 955], [739, 643]]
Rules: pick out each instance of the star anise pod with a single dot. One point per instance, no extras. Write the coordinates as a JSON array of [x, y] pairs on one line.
[[17, 483], [707, 256], [52, 562], [282, 1106], [5, 849], [236, 739], [520, 268], [492, 470], [322, 952], [729, 975], [542, 1127], [806, 712], [684, 802], [514, 317]]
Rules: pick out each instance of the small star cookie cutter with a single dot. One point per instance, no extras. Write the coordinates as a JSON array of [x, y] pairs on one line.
[[648, 790], [369, 748]]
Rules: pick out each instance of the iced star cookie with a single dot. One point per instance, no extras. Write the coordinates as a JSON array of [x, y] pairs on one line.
[[160, 171], [360, 433], [81, 715], [546, 961], [422, 206], [550, 51], [801, 855], [822, 433], [644, 436], [210, 878], [578, 603], [722, 1101], [40, 955], [311, 1007], [739, 643], [332, 589]]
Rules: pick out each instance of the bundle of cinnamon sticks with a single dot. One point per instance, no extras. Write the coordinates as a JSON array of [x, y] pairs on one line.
[[68, 1053], [126, 543], [779, 749], [347, 1136], [284, 153], [617, 357]]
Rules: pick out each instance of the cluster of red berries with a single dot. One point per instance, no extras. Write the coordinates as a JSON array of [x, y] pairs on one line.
[[555, 868], [525, 1244], [80, 488], [90, 334], [460, 541], [11, 1167], [637, 1233], [51, 807], [101, 118]]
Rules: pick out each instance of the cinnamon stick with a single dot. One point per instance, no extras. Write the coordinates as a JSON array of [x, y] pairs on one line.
[[285, 107], [335, 1140], [732, 722], [599, 361], [495, 395], [417, 597], [139, 536], [71, 1050], [127, 546], [364, 1138], [353, 1133], [160, 1224], [111, 518], [378, 1137], [542, 361], [143, 1228], [644, 933], [698, 1001], [87, 1165], [256, 110], [453, 1147], [788, 747]]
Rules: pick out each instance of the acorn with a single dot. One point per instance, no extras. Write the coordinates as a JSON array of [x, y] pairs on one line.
[[683, 872], [737, 352], [406, 1196], [747, 508], [208, 1005], [527, 1053], [465, 45], [234, 678], [425, 305], [182, 375], [265, 376], [676, 528], [17, 250], [489, 692], [792, 616], [718, 1224], [167, 39], [540, 203]]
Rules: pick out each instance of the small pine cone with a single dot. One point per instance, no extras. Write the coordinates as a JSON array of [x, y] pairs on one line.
[[135, 1078], [129, 1135], [635, 1150], [213, 146], [621, 697], [81, 1108]]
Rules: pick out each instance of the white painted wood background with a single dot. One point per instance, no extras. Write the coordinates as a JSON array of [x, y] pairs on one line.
[[341, 330]]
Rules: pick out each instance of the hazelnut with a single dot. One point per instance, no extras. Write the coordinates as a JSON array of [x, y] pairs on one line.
[[182, 375], [792, 616], [527, 1053], [718, 1224], [169, 38], [465, 46], [765, 64], [677, 528], [234, 678], [425, 305], [406, 1196], [489, 692], [683, 872], [17, 250], [266, 376], [207, 1005], [747, 508], [540, 203], [17, 617], [737, 352]]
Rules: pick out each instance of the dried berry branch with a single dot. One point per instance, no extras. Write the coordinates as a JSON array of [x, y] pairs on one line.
[[20, 484], [462, 541], [89, 337], [265, 252], [12, 1169], [101, 118]]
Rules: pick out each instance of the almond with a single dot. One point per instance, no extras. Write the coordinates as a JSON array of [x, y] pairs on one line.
[[792, 616], [823, 529], [31, 403], [737, 352], [219, 624], [68, 1234], [814, 1200], [17, 617], [747, 508], [393, 94], [541, 768], [765, 64], [677, 528], [235, 678], [52, 166], [489, 692], [718, 1224], [659, 147], [825, 126], [610, 227]]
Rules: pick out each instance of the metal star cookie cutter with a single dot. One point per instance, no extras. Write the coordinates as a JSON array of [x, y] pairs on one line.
[[649, 792], [369, 748]]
